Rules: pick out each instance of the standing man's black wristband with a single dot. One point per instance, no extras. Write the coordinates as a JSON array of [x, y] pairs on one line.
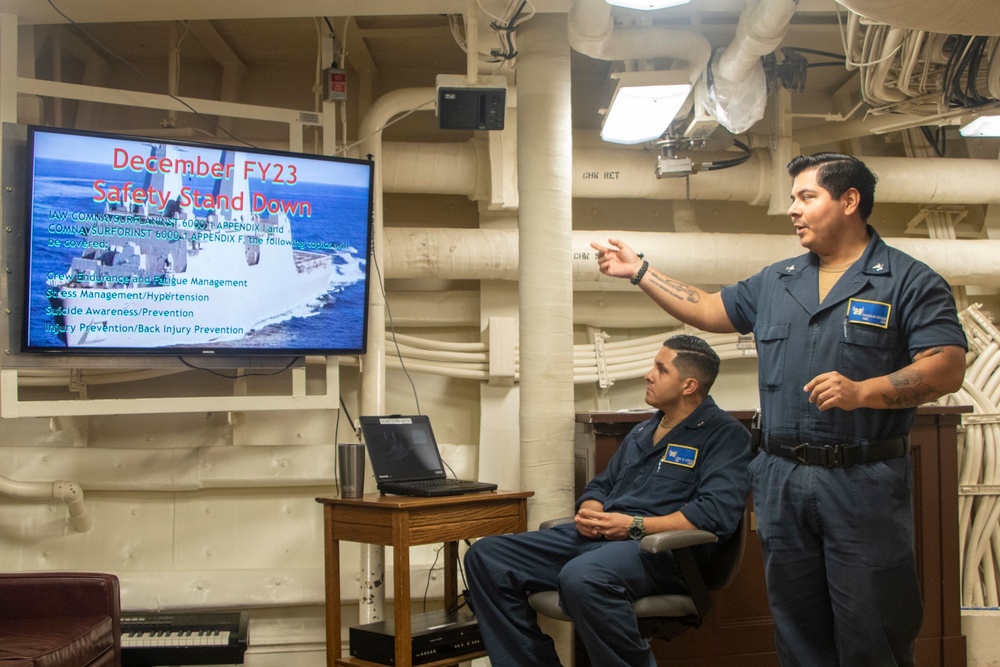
[[640, 272]]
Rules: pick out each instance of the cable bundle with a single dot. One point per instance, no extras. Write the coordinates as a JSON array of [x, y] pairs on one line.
[[979, 464], [921, 72]]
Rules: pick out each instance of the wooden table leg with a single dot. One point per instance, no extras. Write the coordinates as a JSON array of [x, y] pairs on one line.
[[450, 575], [401, 588], [332, 582]]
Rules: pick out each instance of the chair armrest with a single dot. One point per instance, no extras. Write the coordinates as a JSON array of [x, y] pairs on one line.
[[676, 539], [552, 523], [45, 594]]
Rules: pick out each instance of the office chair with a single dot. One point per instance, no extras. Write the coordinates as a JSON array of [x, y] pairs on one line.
[[666, 616]]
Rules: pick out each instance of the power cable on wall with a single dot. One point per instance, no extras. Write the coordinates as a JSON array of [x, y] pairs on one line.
[[343, 151], [392, 328], [100, 45]]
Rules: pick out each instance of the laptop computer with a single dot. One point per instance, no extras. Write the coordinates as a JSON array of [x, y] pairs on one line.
[[406, 460]]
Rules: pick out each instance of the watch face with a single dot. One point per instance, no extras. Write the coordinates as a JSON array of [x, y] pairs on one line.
[[635, 531]]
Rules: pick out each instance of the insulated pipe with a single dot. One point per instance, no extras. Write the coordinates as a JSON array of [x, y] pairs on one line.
[[703, 259], [545, 278], [380, 113], [592, 32], [371, 597], [600, 173], [610, 173], [471, 43], [936, 180], [443, 169], [68, 492], [455, 168], [761, 29]]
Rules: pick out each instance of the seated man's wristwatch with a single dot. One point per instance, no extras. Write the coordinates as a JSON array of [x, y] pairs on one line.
[[636, 531]]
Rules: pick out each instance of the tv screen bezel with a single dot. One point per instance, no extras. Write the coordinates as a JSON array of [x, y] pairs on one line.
[[195, 350]]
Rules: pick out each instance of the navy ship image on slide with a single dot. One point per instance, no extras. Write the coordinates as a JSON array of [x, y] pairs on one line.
[[185, 261]]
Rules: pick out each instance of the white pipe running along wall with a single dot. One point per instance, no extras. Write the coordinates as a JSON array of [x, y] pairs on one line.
[[371, 594], [703, 259], [610, 173], [68, 492], [621, 360]]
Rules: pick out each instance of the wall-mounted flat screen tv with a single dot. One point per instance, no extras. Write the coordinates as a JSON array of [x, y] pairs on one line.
[[149, 246]]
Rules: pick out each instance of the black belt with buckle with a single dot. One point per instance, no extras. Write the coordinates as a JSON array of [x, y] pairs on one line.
[[838, 455]]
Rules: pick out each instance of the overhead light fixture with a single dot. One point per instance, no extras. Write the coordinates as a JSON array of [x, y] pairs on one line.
[[984, 126], [646, 4], [644, 105]]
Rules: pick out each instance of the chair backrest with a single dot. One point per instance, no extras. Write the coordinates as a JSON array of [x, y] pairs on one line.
[[724, 563]]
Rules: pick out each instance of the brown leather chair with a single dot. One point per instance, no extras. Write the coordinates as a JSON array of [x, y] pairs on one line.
[[59, 619], [668, 615]]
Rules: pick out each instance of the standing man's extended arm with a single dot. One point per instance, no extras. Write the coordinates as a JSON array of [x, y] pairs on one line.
[[687, 303]]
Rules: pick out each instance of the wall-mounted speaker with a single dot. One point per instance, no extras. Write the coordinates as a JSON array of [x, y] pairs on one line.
[[463, 107]]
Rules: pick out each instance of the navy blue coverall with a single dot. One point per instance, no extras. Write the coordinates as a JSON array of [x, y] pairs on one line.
[[698, 468], [838, 541]]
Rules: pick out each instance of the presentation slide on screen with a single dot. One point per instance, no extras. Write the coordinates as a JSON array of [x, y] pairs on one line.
[[140, 244]]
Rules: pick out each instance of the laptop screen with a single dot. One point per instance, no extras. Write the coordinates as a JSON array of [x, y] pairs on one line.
[[402, 448]]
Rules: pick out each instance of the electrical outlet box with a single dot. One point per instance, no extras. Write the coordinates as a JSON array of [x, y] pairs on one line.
[[334, 84]]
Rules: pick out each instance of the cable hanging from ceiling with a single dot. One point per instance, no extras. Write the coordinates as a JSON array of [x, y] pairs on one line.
[[504, 26], [921, 72]]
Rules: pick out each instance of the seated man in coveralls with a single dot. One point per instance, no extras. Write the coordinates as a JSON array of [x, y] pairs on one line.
[[684, 468]]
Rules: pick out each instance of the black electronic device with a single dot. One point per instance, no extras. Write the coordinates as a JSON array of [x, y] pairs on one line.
[[436, 635], [471, 108], [140, 246], [479, 105], [406, 459], [196, 638]]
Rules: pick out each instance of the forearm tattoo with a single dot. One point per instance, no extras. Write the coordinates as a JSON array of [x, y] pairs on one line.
[[676, 289], [911, 390]]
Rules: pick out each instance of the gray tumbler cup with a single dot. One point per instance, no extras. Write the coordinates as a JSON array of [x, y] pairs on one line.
[[351, 463]]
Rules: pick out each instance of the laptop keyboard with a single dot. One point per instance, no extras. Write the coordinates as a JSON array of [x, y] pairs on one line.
[[433, 483]]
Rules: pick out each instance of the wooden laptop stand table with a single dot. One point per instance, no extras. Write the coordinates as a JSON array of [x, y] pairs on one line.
[[402, 522]]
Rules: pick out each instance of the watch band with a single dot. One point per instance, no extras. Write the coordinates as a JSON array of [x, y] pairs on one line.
[[636, 531]]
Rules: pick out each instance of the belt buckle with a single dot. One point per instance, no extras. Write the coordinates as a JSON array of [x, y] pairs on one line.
[[834, 456], [831, 456], [796, 453]]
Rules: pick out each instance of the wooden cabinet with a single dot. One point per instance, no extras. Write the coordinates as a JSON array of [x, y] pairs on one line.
[[740, 631]]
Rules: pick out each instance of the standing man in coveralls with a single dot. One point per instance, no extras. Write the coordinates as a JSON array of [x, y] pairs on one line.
[[686, 467], [851, 338]]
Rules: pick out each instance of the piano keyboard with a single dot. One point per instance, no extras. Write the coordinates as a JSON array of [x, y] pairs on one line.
[[183, 639], [175, 638]]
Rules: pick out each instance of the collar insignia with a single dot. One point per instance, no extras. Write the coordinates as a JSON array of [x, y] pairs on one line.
[[790, 267], [878, 267]]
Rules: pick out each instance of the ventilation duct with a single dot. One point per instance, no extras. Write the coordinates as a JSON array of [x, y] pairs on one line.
[[737, 86], [592, 32]]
